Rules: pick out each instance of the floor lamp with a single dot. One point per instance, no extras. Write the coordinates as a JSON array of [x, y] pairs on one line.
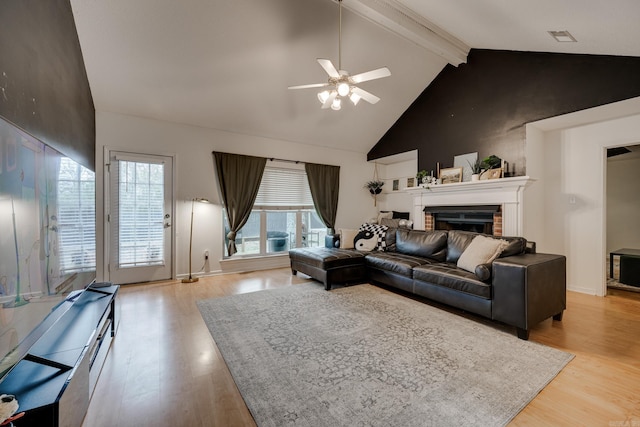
[[192, 279]]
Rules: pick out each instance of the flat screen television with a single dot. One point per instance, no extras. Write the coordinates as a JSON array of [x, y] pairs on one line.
[[47, 237]]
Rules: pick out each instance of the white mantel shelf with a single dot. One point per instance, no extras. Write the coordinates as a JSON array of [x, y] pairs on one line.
[[506, 192], [487, 184]]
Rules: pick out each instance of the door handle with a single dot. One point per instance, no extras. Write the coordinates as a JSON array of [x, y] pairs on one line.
[[167, 224]]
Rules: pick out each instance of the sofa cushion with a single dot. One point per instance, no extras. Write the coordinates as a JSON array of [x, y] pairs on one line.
[[457, 242], [394, 262], [384, 214], [481, 250], [516, 246], [428, 244], [448, 275], [371, 237], [346, 237], [390, 239]]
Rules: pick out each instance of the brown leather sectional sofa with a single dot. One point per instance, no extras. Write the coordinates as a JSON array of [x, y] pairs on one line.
[[520, 288]]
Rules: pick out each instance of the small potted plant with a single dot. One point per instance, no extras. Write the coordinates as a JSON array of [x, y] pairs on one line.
[[375, 186], [476, 169], [492, 162]]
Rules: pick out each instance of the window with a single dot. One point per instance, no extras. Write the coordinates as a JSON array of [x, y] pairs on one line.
[[283, 215], [76, 217]]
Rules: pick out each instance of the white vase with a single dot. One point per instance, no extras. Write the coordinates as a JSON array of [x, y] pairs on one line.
[[475, 177]]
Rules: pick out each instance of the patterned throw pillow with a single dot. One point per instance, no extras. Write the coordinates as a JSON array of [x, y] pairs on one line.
[[370, 237]]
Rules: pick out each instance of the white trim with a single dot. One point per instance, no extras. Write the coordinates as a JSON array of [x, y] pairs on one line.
[[247, 263], [107, 150], [507, 192]]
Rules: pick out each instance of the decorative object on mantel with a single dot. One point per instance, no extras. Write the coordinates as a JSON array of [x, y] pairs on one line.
[[464, 161], [494, 173], [411, 182], [374, 186], [492, 162], [476, 170], [450, 175], [493, 166], [421, 177]]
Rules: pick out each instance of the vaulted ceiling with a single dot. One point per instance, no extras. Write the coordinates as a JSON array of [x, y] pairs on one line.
[[227, 64]]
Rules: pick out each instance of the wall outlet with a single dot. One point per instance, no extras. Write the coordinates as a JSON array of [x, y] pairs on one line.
[[206, 255]]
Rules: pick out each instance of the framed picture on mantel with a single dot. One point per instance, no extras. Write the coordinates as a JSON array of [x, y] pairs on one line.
[[494, 173], [451, 175], [411, 182]]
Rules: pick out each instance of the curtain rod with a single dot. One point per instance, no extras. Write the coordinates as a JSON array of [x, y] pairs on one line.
[[285, 160], [268, 158]]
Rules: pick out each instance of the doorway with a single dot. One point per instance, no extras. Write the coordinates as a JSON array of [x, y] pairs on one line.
[[622, 211], [139, 217]]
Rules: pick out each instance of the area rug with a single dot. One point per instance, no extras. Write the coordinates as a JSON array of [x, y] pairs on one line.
[[365, 356]]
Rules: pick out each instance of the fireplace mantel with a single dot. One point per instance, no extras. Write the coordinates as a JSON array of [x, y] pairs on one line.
[[507, 192]]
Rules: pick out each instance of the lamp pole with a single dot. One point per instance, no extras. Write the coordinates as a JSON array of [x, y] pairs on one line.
[[192, 279]]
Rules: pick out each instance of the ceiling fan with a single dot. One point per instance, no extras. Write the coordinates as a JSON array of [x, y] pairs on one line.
[[340, 84]]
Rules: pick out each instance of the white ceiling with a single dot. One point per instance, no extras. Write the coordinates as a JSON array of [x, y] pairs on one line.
[[227, 64]]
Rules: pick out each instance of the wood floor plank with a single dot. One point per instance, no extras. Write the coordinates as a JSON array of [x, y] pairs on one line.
[[164, 369]]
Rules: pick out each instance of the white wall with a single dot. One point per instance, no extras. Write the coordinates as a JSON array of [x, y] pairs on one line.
[[194, 177], [568, 161], [400, 200], [623, 202]]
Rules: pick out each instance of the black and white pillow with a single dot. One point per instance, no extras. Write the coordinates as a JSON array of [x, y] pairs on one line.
[[370, 237]]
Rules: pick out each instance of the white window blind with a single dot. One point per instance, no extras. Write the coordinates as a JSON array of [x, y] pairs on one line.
[[283, 188], [76, 217]]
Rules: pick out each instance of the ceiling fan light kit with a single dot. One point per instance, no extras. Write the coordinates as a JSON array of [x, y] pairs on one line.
[[340, 83]]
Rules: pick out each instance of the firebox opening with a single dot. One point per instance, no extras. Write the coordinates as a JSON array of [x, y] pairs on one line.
[[481, 219]]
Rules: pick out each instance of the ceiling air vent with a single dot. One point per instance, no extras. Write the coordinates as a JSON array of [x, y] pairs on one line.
[[562, 36]]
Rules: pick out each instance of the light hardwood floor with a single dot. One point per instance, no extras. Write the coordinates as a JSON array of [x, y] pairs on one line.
[[165, 370]]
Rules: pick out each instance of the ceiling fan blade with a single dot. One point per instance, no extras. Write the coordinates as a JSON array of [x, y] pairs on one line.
[[371, 75], [309, 86], [329, 100], [369, 97], [329, 68]]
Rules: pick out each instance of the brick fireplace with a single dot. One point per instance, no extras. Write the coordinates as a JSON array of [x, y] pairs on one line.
[[498, 201]]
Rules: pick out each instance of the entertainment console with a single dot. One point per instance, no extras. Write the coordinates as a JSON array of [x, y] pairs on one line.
[[55, 380]]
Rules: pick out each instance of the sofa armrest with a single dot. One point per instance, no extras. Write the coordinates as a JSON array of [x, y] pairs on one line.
[[529, 288], [332, 241]]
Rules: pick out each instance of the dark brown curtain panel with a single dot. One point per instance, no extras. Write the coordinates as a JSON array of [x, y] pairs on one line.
[[239, 178], [324, 182]]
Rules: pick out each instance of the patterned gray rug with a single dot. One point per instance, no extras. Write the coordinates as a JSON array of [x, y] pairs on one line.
[[364, 356]]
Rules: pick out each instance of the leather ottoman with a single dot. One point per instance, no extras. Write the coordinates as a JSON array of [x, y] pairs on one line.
[[329, 265]]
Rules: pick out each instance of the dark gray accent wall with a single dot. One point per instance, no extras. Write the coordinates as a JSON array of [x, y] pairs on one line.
[[43, 83], [483, 105]]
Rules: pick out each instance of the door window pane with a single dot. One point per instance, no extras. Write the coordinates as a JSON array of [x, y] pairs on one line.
[[141, 210]]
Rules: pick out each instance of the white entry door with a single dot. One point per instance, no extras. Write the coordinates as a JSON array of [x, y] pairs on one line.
[[140, 217]]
